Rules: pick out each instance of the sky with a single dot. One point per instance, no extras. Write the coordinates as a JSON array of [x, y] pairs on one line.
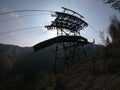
[[96, 13]]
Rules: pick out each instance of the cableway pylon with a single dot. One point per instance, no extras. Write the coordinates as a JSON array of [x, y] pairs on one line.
[[70, 45]]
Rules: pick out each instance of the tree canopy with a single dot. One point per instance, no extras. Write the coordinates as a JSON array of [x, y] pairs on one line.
[[114, 3], [114, 28]]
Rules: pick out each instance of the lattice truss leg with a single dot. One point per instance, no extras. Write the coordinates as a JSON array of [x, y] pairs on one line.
[[70, 45], [67, 54]]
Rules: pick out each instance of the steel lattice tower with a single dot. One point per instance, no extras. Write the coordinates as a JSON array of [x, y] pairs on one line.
[[69, 41], [68, 25]]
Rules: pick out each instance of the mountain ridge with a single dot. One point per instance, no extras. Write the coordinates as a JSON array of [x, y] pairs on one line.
[[10, 55]]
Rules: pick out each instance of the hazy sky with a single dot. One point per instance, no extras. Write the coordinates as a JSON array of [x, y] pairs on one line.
[[95, 12]]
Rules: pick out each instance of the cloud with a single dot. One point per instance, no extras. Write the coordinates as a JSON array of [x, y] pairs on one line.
[[14, 14], [11, 14], [4, 9], [93, 1], [13, 33]]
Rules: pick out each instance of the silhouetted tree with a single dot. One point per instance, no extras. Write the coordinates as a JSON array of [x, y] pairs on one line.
[[114, 3], [105, 40], [114, 28], [108, 41]]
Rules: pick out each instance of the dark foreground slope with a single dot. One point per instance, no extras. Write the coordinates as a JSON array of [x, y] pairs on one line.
[[101, 72], [43, 60], [30, 73]]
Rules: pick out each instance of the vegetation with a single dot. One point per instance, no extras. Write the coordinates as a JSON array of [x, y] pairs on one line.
[[100, 72], [114, 28], [114, 3]]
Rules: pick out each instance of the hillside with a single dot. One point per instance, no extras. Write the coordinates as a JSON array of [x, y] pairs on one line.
[[33, 64], [43, 60], [10, 55], [101, 72]]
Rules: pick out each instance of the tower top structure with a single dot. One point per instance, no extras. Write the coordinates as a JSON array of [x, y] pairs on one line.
[[68, 20]]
